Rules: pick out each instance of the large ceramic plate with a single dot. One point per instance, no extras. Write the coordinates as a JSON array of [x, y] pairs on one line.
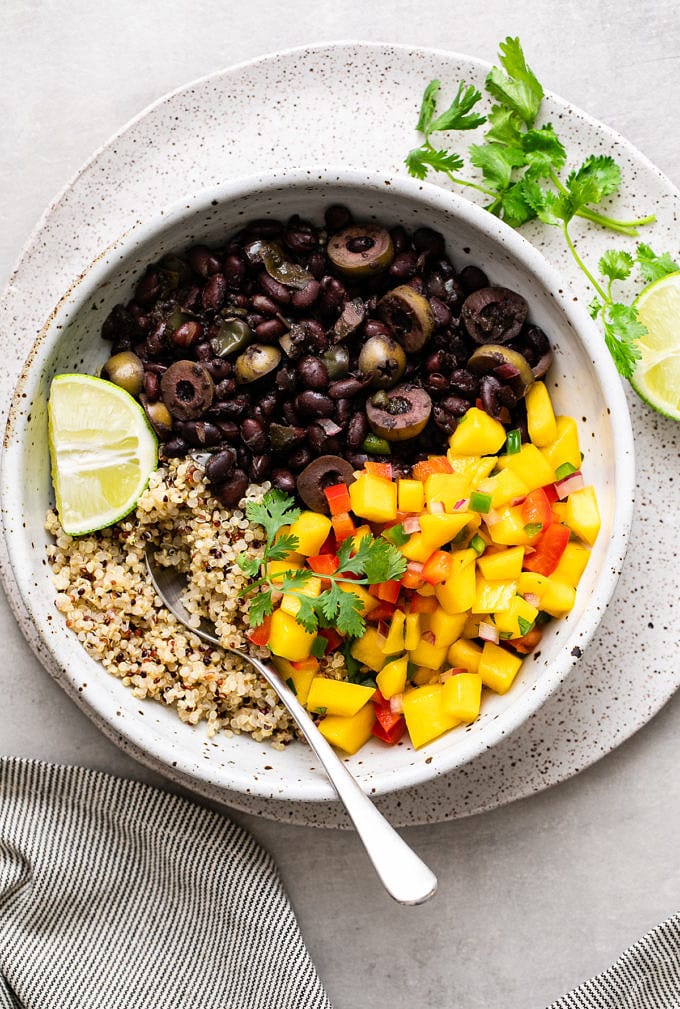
[[319, 105]]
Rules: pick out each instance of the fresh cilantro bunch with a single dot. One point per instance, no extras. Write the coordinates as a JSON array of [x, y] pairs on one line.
[[375, 560], [521, 167]]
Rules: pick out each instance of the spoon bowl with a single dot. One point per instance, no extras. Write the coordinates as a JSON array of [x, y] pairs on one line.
[[403, 874]]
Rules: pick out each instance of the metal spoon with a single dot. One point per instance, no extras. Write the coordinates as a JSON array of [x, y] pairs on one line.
[[403, 874]]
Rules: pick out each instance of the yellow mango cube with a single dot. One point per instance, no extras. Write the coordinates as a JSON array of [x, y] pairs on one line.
[[290, 602], [530, 465], [565, 447], [498, 667], [299, 680], [337, 697], [391, 679], [462, 696], [412, 630], [367, 650], [533, 583], [509, 528], [436, 531], [503, 487], [288, 639], [394, 642], [583, 514], [572, 563], [540, 415], [426, 718], [503, 565], [359, 534], [428, 655], [457, 593], [446, 488], [349, 733], [424, 675], [446, 627], [368, 602], [311, 530], [277, 569], [493, 597], [477, 434], [410, 495], [374, 498], [518, 619], [558, 598], [464, 654], [473, 467]]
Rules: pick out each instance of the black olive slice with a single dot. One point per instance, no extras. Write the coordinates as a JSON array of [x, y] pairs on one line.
[[361, 249], [400, 413], [187, 389], [326, 471], [494, 314], [409, 316]]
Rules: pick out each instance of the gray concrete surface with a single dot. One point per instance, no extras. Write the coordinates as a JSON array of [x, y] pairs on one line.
[[535, 896]]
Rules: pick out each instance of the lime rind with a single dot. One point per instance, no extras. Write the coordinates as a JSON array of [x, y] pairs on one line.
[[657, 374], [102, 449]]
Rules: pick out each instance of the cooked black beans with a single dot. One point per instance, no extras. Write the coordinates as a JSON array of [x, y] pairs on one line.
[[271, 289]]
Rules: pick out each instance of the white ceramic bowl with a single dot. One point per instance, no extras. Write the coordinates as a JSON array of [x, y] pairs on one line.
[[583, 383]]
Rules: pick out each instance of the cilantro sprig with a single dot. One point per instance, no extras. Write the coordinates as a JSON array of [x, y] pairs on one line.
[[371, 561], [521, 166]]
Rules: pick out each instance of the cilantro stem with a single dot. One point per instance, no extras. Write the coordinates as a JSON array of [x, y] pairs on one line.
[[628, 228], [572, 248]]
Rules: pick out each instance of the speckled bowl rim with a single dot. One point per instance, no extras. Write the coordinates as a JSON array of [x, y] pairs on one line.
[[585, 332]]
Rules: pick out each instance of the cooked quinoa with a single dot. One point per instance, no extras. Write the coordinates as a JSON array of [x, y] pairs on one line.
[[104, 593]]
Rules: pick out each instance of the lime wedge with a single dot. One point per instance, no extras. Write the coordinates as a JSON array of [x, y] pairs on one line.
[[657, 373], [103, 451]]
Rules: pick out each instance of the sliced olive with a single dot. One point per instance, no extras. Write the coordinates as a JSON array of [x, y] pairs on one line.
[[409, 316], [336, 360], [159, 416], [494, 314], [383, 360], [273, 258], [400, 413], [326, 471], [187, 390], [349, 320], [233, 335], [126, 370], [373, 445], [507, 365], [361, 249], [256, 362]]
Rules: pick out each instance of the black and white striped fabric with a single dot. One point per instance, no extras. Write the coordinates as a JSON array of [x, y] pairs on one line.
[[115, 894], [646, 976]]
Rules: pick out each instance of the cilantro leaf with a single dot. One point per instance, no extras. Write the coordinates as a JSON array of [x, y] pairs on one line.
[[543, 151], [293, 580], [250, 566], [421, 159], [283, 545], [622, 329], [518, 88], [343, 610], [515, 208], [276, 509], [652, 266], [496, 162], [595, 307], [599, 174], [616, 264], [459, 115], [428, 107], [383, 563], [306, 614], [505, 126], [261, 606]]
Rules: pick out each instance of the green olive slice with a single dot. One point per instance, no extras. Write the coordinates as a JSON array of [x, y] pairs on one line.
[[409, 316], [126, 370], [256, 362], [505, 364], [382, 360], [400, 413]]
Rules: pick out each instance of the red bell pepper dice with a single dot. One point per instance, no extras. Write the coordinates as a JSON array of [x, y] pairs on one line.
[[536, 509], [323, 564], [383, 469], [260, 635], [548, 550], [389, 725], [390, 736], [343, 526], [338, 498], [437, 568]]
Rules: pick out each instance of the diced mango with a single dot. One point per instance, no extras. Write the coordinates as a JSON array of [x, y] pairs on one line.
[[337, 697], [583, 514], [410, 496], [311, 530], [349, 733], [436, 531], [359, 534], [287, 638], [503, 487], [391, 679], [394, 642], [477, 434], [509, 528], [290, 602], [464, 654], [498, 667], [374, 498], [473, 467], [558, 598], [299, 680], [412, 631], [427, 654], [446, 627], [424, 675], [425, 716], [368, 602], [368, 650], [276, 569], [446, 488], [540, 415], [457, 594], [532, 582], [518, 619], [572, 563], [530, 465], [503, 565], [493, 597], [565, 447], [462, 696]]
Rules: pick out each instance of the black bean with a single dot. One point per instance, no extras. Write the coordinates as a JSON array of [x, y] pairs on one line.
[[203, 352], [373, 327], [357, 429], [234, 408], [221, 466], [472, 279], [214, 292], [456, 405], [225, 388], [229, 430], [186, 334], [148, 288], [300, 458], [290, 414], [152, 386], [317, 264], [219, 369], [283, 480], [269, 403], [333, 294], [230, 493], [317, 439], [202, 261], [305, 296], [199, 433], [300, 237], [346, 388], [264, 305], [427, 240], [337, 217], [343, 410], [403, 266], [234, 269], [270, 330], [286, 379], [175, 448], [436, 382], [313, 404], [259, 467], [441, 312], [254, 434], [279, 292], [313, 372], [400, 239]]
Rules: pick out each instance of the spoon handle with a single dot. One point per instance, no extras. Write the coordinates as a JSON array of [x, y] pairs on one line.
[[403, 874]]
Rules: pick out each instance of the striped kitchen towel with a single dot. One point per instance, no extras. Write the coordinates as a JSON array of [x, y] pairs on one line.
[[115, 894]]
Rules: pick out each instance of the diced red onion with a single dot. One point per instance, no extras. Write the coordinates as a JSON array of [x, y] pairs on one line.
[[492, 517], [329, 426], [532, 599], [569, 484], [411, 524], [415, 567], [461, 505], [383, 628], [506, 371], [428, 636], [397, 704], [518, 500], [488, 632], [437, 507]]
